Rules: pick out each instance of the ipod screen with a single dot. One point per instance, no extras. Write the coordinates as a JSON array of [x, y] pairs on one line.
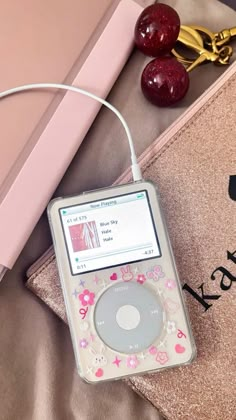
[[109, 232]]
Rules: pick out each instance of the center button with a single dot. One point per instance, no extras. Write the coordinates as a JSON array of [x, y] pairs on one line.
[[128, 317]]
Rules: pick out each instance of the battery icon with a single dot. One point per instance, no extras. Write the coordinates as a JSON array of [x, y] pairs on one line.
[[141, 195]]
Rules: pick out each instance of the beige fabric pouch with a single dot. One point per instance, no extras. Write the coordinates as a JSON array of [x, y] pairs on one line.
[[194, 165]]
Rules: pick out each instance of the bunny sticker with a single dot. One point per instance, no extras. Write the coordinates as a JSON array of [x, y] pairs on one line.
[[126, 273], [99, 359]]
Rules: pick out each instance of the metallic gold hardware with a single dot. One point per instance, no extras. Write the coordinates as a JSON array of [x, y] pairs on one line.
[[188, 35], [204, 45], [208, 37], [225, 36]]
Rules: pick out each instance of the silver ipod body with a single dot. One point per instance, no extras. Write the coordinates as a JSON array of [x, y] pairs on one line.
[[120, 284]]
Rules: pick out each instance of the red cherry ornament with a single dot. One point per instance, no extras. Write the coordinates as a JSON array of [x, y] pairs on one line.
[[157, 29], [164, 81]]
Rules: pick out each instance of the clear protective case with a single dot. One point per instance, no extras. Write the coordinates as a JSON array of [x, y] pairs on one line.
[[128, 318]]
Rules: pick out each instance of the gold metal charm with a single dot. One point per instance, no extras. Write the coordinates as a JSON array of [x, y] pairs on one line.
[[197, 44]]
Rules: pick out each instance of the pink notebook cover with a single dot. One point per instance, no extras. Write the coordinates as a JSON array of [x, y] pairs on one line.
[[54, 139], [40, 42]]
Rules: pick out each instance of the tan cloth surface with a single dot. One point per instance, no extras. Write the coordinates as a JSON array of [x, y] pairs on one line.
[[38, 379]]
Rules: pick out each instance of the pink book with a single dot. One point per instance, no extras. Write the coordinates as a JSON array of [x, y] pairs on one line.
[[43, 130]]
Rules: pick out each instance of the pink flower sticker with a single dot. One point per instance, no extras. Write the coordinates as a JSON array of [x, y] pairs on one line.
[[162, 357], [141, 278], [83, 343], [87, 298], [170, 284], [132, 362]]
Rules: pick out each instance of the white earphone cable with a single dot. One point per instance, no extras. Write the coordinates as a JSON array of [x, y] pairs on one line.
[[137, 176]]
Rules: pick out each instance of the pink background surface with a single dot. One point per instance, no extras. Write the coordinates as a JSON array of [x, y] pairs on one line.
[[38, 44], [63, 134]]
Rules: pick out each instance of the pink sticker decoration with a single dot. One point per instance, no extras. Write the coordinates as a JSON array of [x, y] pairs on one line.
[[170, 284], [113, 277], [179, 349], [162, 357], [180, 334], [132, 362], [83, 343], [86, 298], [83, 312], [126, 273], [96, 279], [117, 361], [141, 278], [99, 373], [152, 350], [155, 273]]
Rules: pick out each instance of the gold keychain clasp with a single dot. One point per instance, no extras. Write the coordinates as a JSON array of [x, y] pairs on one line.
[[225, 36], [217, 41], [208, 45]]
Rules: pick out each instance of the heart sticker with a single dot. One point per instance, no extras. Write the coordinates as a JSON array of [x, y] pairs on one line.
[[113, 276], [99, 373], [179, 349]]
